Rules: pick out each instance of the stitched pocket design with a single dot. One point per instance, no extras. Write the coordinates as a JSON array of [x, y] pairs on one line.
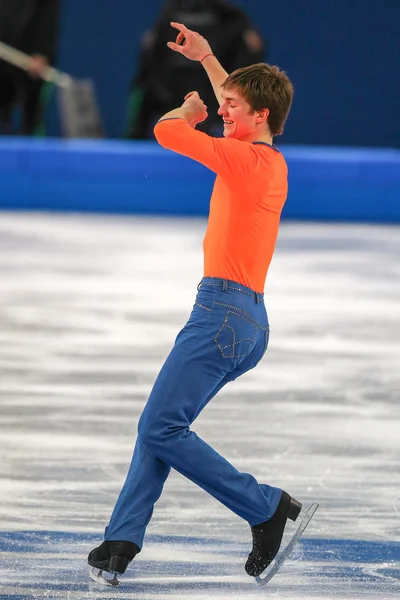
[[236, 336], [204, 307]]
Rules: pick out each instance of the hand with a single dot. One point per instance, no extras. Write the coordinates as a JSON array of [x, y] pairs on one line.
[[194, 47], [37, 65], [195, 109]]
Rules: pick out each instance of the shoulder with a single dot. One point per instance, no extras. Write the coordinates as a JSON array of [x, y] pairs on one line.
[[271, 154]]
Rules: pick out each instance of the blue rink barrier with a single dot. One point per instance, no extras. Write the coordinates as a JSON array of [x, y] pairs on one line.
[[141, 177]]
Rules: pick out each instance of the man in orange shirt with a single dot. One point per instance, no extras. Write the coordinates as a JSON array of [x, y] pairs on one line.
[[227, 332]]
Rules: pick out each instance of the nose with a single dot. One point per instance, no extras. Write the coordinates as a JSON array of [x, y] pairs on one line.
[[222, 110]]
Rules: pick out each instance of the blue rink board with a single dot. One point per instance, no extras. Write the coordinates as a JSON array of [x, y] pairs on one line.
[[140, 177]]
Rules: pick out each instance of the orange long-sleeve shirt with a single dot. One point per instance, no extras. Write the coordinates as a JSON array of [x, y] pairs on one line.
[[246, 203]]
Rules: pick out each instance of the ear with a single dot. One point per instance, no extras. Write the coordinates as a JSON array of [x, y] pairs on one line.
[[262, 115]]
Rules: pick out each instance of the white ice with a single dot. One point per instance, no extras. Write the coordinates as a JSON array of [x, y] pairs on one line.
[[89, 308]]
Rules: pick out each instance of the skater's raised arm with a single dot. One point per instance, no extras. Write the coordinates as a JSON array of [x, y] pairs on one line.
[[194, 46]]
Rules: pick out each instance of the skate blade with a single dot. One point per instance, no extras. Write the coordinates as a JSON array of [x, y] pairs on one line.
[[278, 561], [97, 576]]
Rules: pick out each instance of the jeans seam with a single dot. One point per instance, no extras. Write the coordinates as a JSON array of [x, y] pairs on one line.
[[254, 295], [248, 317], [266, 341], [202, 306]]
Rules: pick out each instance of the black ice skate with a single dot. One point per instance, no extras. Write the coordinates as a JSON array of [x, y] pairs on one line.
[[112, 557], [267, 536]]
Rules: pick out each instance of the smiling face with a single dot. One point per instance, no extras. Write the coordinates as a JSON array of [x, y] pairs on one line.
[[255, 102], [240, 121]]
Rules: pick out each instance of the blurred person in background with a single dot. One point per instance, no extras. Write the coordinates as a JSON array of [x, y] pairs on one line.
[[32, 27], [163, 78]]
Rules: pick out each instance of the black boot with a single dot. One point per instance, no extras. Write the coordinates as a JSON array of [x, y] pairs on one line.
[[267, 536], [113, 556]]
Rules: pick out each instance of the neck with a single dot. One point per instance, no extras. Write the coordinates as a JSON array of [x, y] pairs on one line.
[[268, 139], [257, 137]]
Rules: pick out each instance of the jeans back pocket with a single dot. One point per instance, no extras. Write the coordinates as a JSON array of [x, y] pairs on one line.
[[236, 336]]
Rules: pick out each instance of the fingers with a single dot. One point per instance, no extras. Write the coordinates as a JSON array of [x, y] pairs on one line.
[[175, 47], [182, 28], [190, 94], [180, 37]]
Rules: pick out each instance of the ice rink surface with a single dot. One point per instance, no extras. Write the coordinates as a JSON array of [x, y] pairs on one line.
[[89, 308]]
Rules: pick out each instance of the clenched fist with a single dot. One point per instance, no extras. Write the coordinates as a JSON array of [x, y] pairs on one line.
[[195, 109]]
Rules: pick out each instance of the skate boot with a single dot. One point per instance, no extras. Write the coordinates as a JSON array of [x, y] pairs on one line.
[[267, 536], [113, 557]]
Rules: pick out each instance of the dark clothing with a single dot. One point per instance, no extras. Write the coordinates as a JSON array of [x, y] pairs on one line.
[[30, 26], [165, 77]]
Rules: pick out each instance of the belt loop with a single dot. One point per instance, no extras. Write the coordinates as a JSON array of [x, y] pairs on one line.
[[224, 284], [199, 284]]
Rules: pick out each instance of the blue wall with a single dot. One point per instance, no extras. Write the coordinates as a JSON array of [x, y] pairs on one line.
[[342, 55], [141, 177]]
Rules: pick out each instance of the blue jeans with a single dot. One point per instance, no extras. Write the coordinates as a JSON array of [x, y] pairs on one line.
[[226, 335]]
